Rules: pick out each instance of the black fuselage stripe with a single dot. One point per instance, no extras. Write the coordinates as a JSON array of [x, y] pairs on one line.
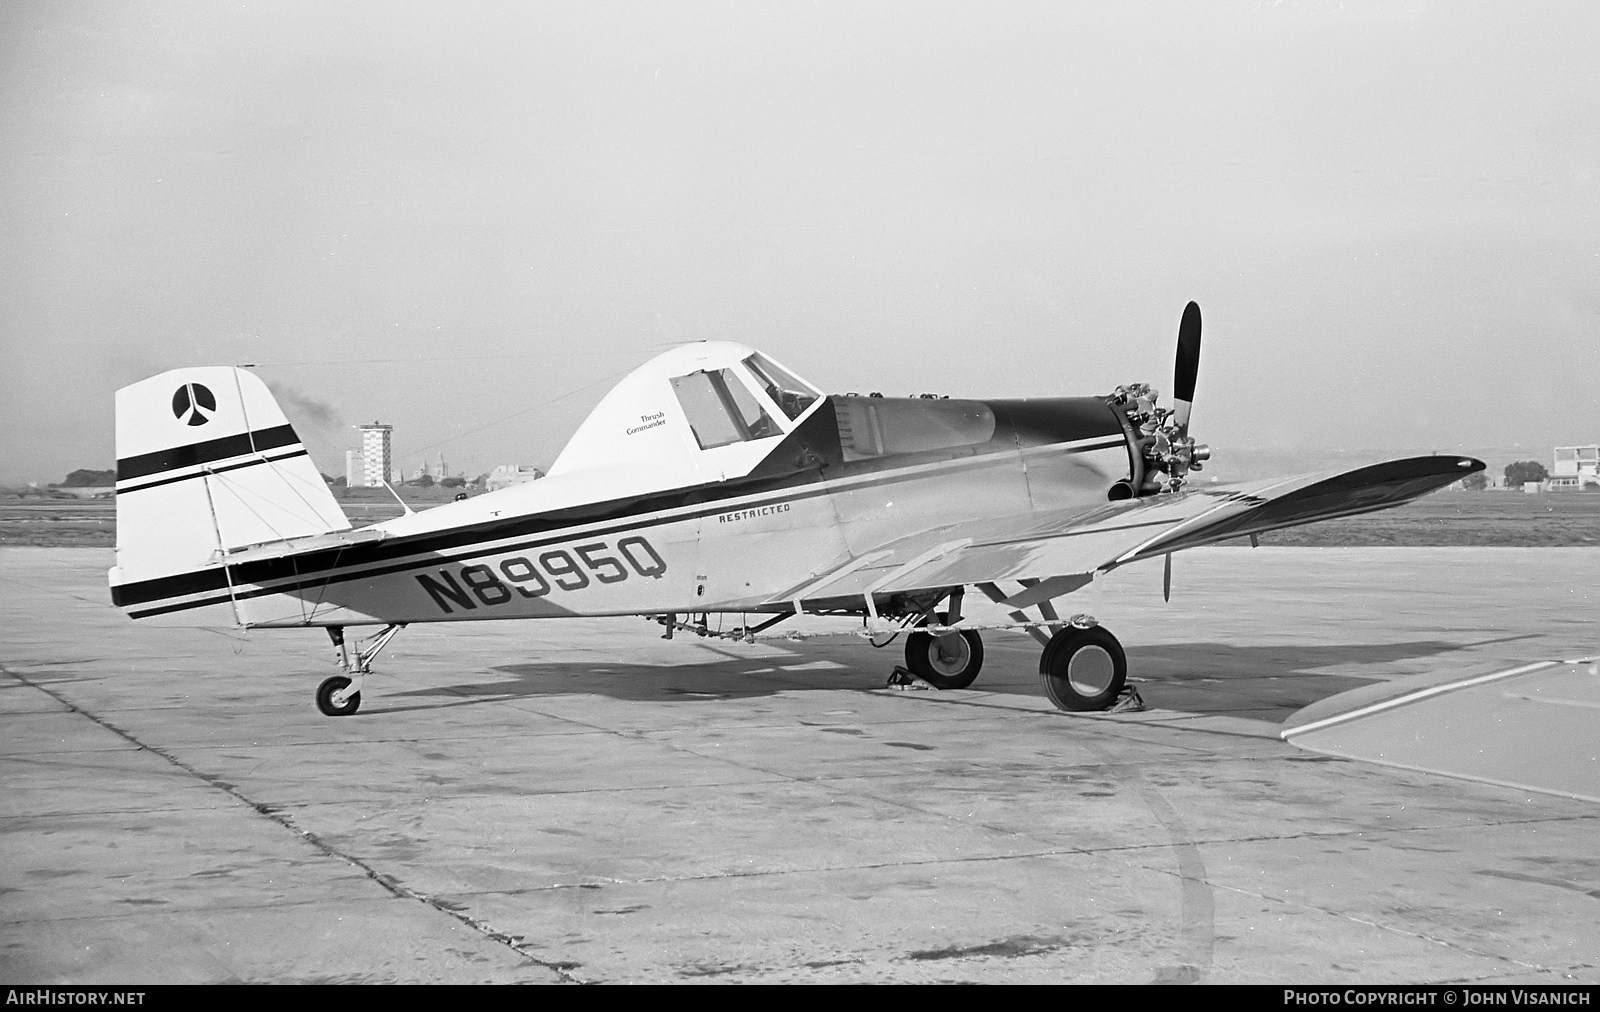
[[476, 547], [204, 452], [206, 580], [185, 606], [214, 470], [458, 559]]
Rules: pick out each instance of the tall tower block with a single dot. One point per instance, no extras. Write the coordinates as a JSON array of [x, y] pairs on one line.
[[376, 448], [355, 469]]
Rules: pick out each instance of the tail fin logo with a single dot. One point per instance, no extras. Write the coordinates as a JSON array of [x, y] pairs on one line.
[[193, 404]]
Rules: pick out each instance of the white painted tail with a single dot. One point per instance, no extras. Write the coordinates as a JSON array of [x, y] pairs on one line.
[[208, 464]]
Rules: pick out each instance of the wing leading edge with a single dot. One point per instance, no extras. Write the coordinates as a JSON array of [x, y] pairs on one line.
[[1064, 549]]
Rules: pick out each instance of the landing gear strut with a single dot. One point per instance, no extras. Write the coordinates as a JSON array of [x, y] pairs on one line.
[[340, 695], [1083, 669]]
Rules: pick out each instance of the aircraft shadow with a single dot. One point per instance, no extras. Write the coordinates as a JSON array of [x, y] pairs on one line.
[[1218, 678], [1261, 682], [730, 678]]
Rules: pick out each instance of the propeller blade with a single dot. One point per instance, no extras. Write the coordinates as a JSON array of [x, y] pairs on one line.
[[1188, 365], [1166, 575]]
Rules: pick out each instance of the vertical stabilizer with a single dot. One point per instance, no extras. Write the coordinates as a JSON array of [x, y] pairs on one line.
[[207, 464]]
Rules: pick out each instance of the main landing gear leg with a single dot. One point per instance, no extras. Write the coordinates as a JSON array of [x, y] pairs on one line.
[[340, 695]]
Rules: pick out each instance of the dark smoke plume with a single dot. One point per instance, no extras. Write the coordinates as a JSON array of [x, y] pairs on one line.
[[304, 411]]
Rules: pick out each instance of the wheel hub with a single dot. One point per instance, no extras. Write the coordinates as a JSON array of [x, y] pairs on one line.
[[1091, 670], [950, 654]]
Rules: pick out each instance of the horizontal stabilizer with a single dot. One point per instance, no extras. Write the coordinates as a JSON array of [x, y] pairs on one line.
[[1530, 726], [304, 546]]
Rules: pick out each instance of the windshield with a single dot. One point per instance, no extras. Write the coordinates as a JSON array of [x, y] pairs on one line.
[[790, 393]]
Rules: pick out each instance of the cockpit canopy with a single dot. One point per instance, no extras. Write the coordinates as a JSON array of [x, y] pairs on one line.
[[700, 412], [791, 393], [723, 405]]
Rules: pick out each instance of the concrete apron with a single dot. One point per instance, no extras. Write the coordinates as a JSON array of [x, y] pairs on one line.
[[581, 801]]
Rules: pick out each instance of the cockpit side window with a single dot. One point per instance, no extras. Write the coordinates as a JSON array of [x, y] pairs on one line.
[[721, 409], [790, 393]]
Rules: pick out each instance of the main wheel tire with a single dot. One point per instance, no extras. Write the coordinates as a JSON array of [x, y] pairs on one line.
[[1083, 669], [951, 661], [325, 693]]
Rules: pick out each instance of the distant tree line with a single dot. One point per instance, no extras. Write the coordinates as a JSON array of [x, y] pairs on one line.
[[1515, 475], [426, 481], [84, 478], [1524, 471]]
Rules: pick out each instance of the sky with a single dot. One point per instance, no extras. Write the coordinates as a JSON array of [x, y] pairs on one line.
[[469, 219]]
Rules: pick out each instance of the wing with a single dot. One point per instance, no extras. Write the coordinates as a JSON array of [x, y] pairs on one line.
[[1064, 550]]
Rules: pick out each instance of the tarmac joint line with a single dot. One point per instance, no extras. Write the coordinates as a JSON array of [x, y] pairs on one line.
[[1197, 931], [562, 969]]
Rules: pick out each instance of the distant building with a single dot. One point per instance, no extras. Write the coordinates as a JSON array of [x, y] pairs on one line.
[[377, 450], [437, 472], [507, 475], [1576, 466], [355, 468]]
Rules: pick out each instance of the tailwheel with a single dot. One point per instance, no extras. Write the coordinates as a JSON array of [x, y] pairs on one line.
[[340, 696], [1083, 669], [951, 661], [333, 701]]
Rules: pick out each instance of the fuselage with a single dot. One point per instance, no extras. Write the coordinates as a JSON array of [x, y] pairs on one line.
[[649, 511], [738, 544]]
